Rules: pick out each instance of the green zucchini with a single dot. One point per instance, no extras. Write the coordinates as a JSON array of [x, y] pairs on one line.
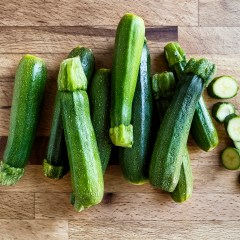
[[134, 161], [164, 85], [28, 93], [202, 128], [84, 159], [87, 60], [172, 136], [55, 164], [221, 110], [231, 158], [127, 55], [232, 126], [237, 144], [184, 188], [99, 98], [223, 87]]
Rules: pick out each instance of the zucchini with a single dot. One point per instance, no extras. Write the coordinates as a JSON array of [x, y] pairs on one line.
[[163, 88], [99, 98], [55, 164], [231, 158], [232, 125], [84, 159], [172, 136], [87, 60], [237, 145], [184, 188], [221, 110], [223, 87], [202, 128], [134, 161], [127, 55], [27, 99]]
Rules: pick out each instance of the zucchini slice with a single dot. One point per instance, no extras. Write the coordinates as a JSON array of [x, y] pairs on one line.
[[232, 125], [223, 87], [231, 158], [237, 144], [221, 110]]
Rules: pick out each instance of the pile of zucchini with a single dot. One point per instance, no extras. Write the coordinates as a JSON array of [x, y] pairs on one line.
[[95, 110]]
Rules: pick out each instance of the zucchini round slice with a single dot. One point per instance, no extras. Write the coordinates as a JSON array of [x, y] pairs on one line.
[[223, 87], [237, 144], [221, 110], [231, 158], [232, 125]]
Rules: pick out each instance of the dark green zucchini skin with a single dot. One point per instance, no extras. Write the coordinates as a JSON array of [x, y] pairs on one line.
[[100, 97], [134, 161], [172, 136], [127, 54], [28, 94], [203, 129], [55, 164], [163, 91]]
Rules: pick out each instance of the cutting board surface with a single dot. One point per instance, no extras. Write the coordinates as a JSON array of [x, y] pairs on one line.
[[39, 208]]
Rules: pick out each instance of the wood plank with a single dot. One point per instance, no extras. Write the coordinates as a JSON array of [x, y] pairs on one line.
[[222, 13], [34, 229], [9, 63], [207, 179], [73, 13], [153, 230], [142, 206], [63, 39], [16, 205], [210, 40]]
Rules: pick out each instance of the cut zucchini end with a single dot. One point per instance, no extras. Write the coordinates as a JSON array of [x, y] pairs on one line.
[[122, 135], [71, 75], [10, 175], [174, 53], [51, 171], [231, 158]]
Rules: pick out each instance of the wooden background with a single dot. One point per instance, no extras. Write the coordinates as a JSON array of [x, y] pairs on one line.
[[38, 208]]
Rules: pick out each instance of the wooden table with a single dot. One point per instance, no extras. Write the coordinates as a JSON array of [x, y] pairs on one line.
[[38, 208]]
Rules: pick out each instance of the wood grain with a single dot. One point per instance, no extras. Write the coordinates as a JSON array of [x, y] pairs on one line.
[[206, 40], [34, 229], [16, 205], [219, 13], [63, 39], [142, 206], [152, 230], [207, 179], [95, 13]]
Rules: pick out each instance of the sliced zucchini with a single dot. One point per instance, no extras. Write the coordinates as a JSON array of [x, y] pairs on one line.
[[232, 125], [237, 144], [221, 110], [231, 158], [223, 87]]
